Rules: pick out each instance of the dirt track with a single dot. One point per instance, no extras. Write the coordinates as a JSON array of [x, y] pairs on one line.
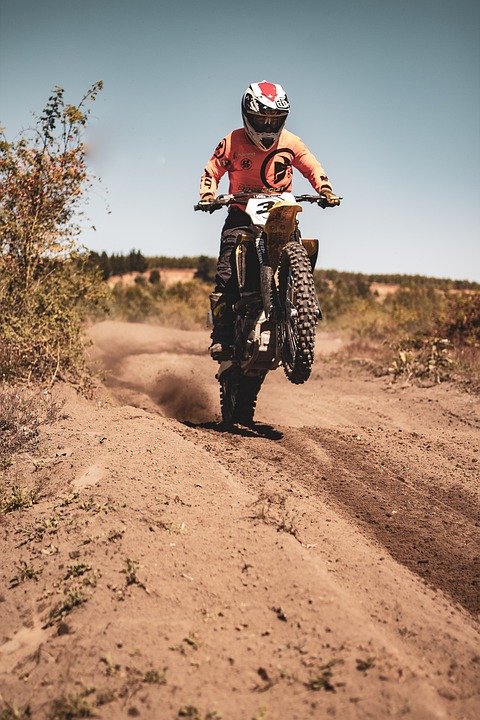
[[323, 564]]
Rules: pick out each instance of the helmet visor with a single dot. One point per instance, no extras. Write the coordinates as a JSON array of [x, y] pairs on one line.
[[267, 122]]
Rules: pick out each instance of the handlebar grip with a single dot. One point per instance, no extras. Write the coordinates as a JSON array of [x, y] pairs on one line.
[[208, 207]]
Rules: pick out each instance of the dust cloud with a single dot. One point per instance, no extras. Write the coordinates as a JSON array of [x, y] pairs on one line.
[[161, 370], [182, 398]]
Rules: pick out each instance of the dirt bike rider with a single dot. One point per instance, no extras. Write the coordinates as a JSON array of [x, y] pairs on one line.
[[258, 158]]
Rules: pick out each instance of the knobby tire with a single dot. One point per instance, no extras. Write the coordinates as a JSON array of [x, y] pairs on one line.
[[297, 293], [238, 395]]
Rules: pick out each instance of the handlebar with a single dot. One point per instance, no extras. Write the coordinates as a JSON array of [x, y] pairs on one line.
[[225, 200]]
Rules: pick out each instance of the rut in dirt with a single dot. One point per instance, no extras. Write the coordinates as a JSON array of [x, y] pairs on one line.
[[416, 521], [432, 530]]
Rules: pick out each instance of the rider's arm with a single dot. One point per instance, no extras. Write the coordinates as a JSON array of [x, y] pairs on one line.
[[216, 167], [306, 162]]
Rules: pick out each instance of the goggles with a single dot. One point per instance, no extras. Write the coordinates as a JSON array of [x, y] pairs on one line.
[[272, 123]]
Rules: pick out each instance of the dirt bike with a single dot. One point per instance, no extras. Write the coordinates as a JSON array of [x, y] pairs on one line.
[[277, 310]]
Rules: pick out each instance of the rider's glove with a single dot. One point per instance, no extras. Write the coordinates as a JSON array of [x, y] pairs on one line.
[[332, 199], [207, 201], [207, 197]]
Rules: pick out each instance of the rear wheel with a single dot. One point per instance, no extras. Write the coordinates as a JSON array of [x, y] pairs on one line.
[[238, 395], [299, 312]]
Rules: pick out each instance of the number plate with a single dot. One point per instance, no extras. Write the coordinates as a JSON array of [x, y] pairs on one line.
[[258, 208]]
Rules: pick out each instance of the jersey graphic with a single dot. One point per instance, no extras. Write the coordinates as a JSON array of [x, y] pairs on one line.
[[220, 149], [277, 167]]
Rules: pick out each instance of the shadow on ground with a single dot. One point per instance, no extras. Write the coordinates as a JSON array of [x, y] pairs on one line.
[[260, 430]]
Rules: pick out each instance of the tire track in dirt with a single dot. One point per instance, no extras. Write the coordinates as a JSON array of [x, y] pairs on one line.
[[416, 521], [432, 530]]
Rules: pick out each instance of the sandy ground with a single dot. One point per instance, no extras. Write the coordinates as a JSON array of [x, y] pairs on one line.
[[323, 564]]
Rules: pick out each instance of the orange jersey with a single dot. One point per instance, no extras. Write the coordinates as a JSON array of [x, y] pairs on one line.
[[252, 170]]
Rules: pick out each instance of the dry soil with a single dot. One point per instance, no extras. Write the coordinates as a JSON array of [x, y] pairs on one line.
[[324, 563]]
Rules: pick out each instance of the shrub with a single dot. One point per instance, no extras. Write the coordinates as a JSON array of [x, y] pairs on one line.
[[47, 284], [184, 305], [206, 269], [154, 277], [416, 310], [462, 321], [135, 303], [428, 359]]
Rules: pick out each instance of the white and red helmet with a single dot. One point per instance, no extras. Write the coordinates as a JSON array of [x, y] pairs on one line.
[[265, 108]]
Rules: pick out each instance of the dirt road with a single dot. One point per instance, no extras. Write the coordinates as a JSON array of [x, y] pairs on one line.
[[322, 564]]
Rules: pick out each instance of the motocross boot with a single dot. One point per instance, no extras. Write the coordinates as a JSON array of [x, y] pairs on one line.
[[222, 332]]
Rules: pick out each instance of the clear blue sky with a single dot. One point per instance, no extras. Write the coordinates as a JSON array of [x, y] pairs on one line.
[[386, 94]]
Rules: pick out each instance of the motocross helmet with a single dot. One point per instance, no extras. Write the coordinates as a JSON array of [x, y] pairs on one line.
[[265, 108]]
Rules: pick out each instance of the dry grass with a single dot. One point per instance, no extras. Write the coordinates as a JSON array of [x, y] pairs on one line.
[[23, 410], [421, 361], [271, 508], [466, 364]]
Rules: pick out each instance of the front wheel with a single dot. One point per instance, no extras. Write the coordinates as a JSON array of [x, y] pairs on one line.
[[299, 312], [238, 395]]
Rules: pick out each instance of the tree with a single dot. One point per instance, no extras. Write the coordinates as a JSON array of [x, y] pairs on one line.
[[47, 282], [136, 262]]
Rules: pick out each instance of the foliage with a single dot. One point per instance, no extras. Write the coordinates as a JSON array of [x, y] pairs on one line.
[[22, 412], [332, 277], [410, 281], [118, 264], [69, 707], [338, 291], [19, 498], [206, 268], [47, 285], [11, 712], [462, 321], [183, 305], [416, 310], [426, 359], [162, 261], [154, 277], [429, 328]]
